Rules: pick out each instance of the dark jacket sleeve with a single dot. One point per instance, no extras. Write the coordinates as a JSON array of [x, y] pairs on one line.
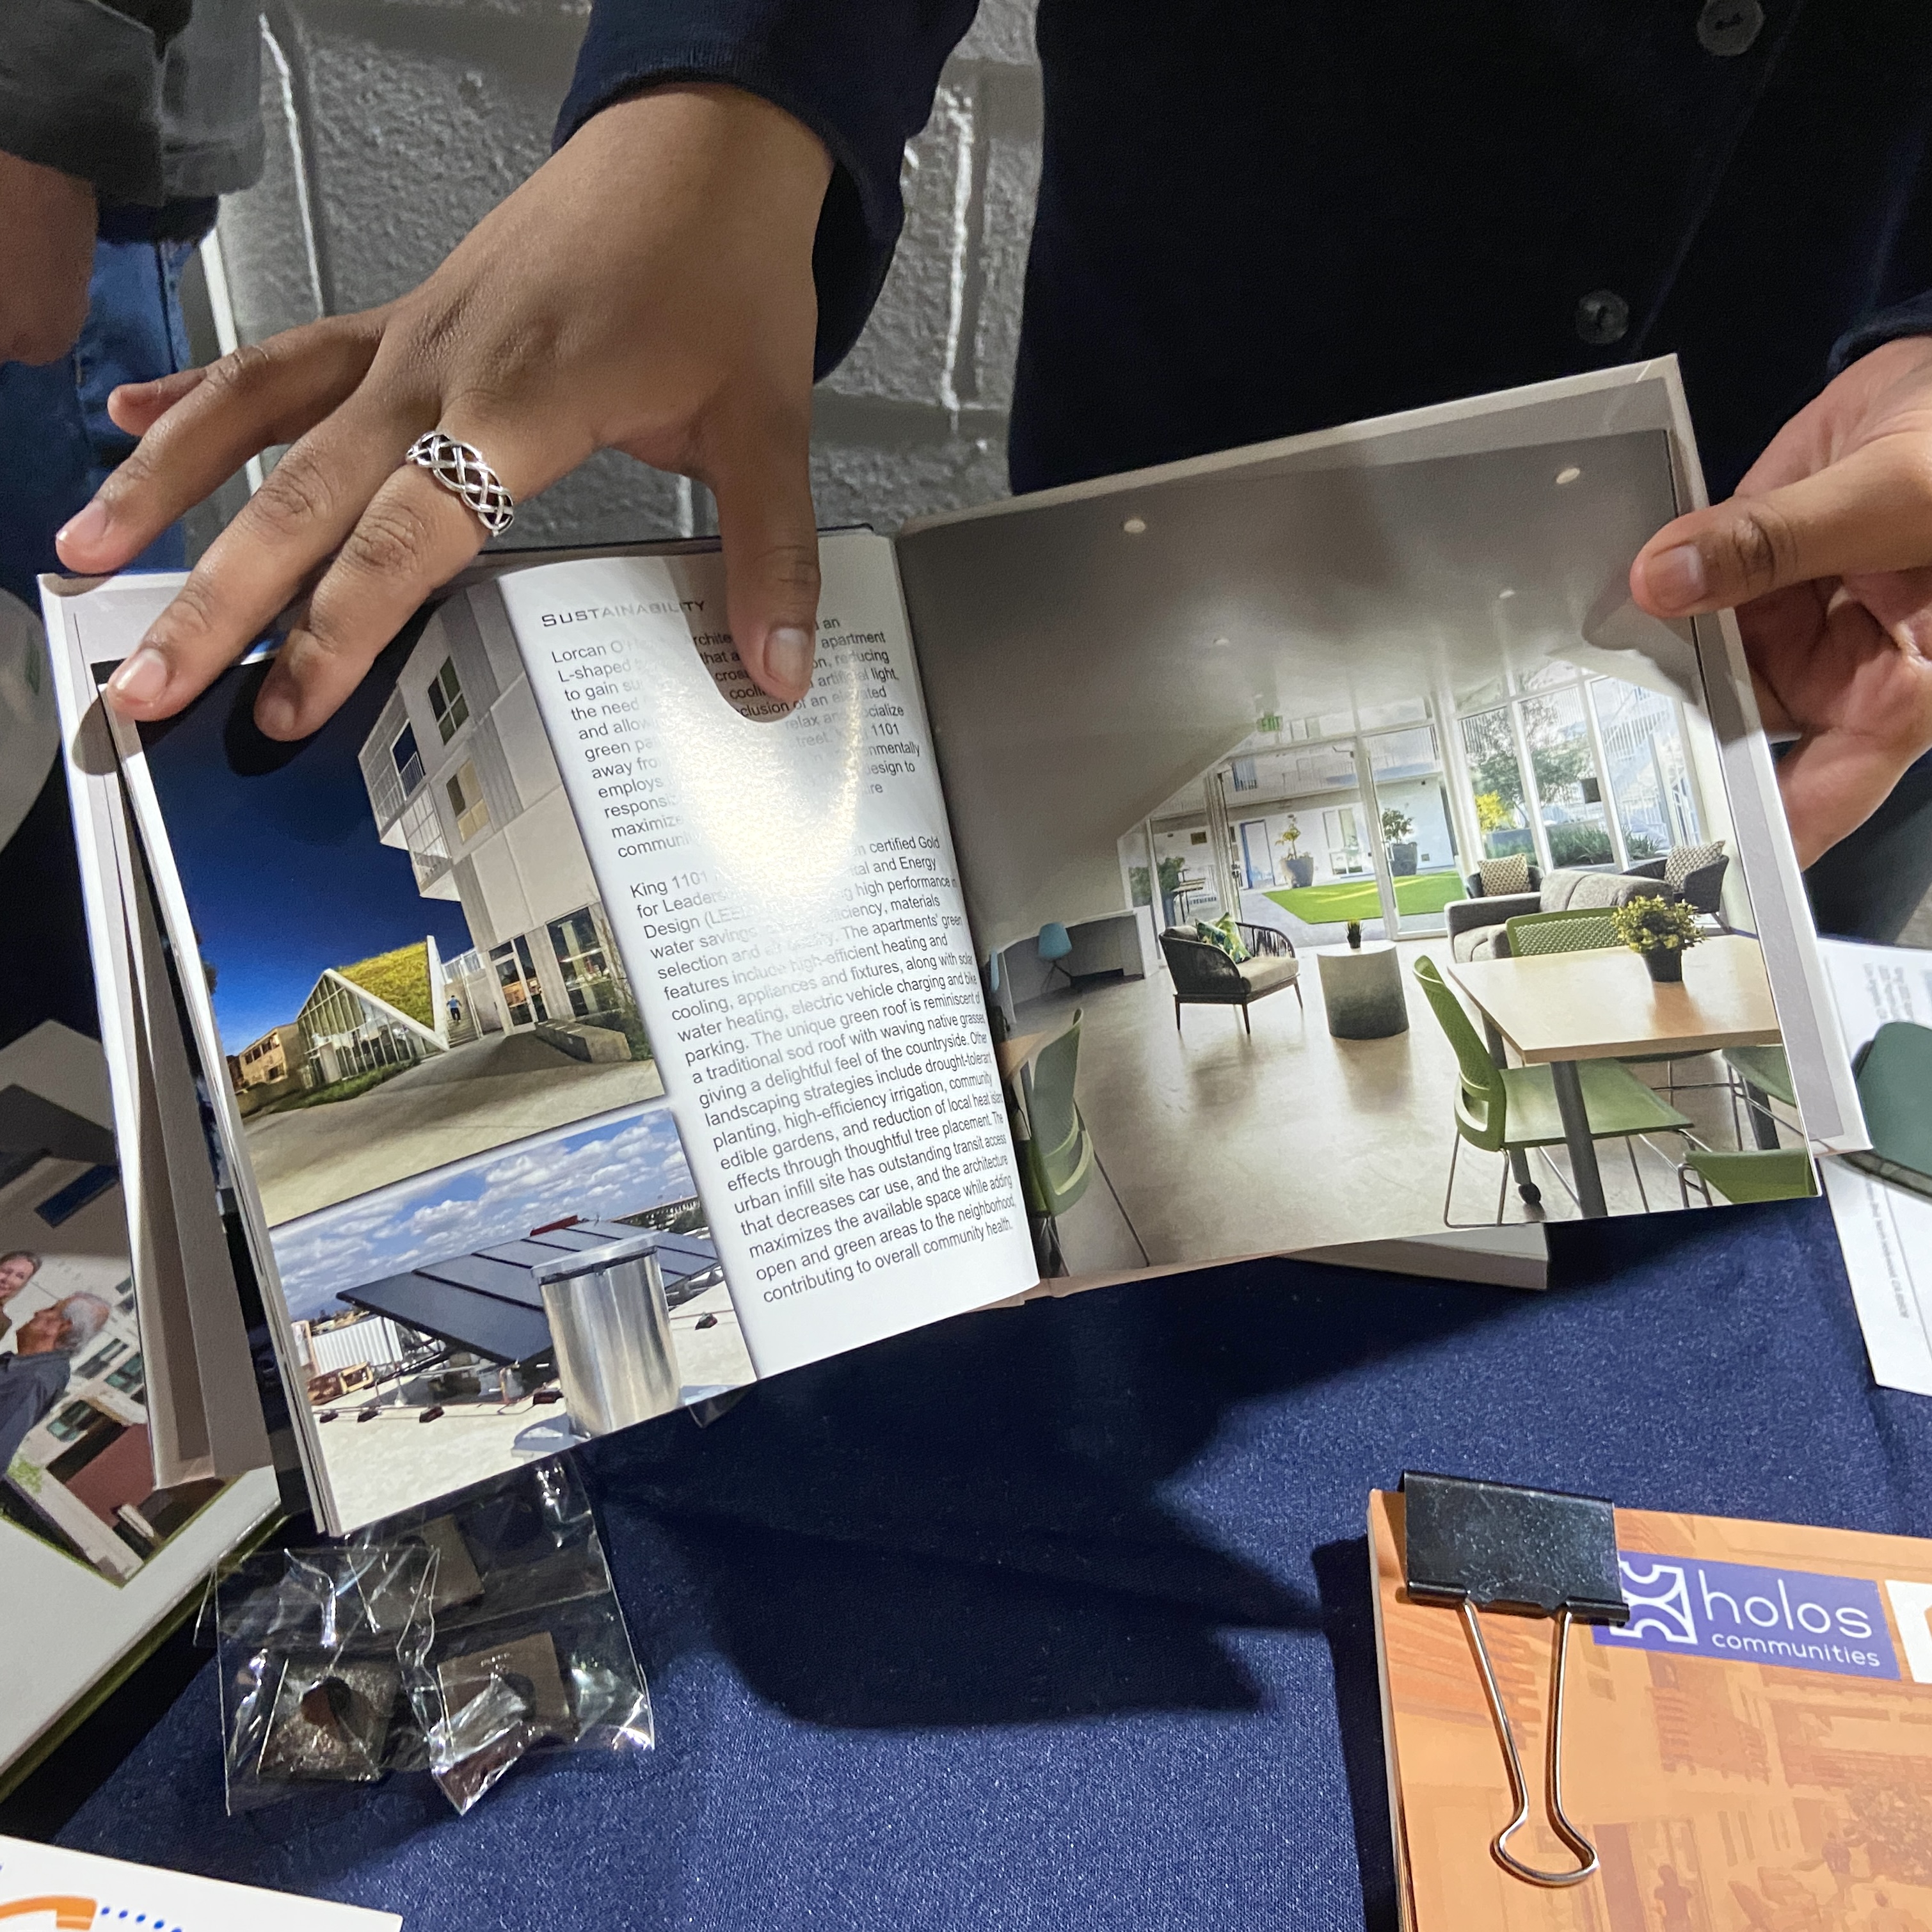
[[861, 74], [80, 90], [1905, 318]]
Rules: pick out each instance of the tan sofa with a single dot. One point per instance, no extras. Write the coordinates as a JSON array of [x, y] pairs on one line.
[[1476, 926]]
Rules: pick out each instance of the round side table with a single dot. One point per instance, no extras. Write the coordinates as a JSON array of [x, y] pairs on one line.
[[1361, 987]]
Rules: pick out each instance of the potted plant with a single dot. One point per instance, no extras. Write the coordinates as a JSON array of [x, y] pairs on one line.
[[1396, 827], [1661, 929], [1301, 865]]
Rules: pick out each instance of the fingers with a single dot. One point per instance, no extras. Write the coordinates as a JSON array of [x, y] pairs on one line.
[[306, 509], [1872, 511], [201, 426], [762, 480], [136, 407], [413, 537], [1831, 782]]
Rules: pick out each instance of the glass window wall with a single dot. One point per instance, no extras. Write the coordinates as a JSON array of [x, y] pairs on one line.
[[1569, 788], [1495, 783], [1648, 779], [1373, 822]]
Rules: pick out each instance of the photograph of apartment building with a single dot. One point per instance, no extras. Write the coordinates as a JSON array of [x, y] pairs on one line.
[[1302, 789], [262, 1062], [401, 919], [460, 776]]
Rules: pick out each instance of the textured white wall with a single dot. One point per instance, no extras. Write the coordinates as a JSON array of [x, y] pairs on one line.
[[393, 125]]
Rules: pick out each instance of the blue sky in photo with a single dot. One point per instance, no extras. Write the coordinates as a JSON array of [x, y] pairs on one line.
[[621, 1165], [278, 854]]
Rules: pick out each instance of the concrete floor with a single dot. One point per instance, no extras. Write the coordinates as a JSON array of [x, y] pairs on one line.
[[485, 1095], [396, 1460], [1223, 1145]]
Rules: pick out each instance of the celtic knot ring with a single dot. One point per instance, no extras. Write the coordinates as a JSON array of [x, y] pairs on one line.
[[463, 471]]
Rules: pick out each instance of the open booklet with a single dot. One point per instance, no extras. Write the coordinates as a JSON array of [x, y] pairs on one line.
[[1235, 858]]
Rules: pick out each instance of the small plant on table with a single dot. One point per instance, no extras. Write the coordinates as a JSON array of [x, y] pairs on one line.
[[1662, 930]]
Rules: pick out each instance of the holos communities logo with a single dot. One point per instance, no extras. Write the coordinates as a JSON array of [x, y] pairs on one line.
[[1796, 1619], [70, 1913]]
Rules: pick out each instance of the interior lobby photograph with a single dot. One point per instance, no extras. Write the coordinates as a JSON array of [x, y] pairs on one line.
[[1365, 865]]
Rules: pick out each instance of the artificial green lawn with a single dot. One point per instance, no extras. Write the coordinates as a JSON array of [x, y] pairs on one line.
[[1356, 898]]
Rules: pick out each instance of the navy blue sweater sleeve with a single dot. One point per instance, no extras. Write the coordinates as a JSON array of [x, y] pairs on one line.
[[861, 74], [1905, 318]]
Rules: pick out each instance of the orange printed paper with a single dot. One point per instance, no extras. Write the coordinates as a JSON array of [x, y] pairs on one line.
[[1752, 1754]]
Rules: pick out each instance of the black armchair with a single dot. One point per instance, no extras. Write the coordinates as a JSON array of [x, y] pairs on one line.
[[1204, 975], [1703, 890]]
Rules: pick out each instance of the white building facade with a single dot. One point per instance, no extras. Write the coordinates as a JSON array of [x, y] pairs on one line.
[[460, 775]]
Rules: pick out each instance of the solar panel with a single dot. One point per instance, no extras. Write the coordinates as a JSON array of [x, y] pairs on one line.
[[569, 1237], [504, 1280], [497, 1330], [527, 1254]]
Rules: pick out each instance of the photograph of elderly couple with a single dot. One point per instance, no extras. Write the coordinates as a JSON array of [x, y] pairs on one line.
[[75, 1467], [1352, 860]]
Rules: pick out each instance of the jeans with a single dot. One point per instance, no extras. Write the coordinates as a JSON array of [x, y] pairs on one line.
[[56, 443]]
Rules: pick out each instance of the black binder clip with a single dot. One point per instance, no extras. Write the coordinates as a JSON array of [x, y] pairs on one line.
[[1494, 1546]]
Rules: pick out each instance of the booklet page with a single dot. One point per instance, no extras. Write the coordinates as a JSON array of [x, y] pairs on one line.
[[784, 892], [1319, 811], [1884, 1229], [493, 986]]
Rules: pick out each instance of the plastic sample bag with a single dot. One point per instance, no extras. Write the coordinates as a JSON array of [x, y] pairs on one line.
[[312, 1687], [455, 1639]]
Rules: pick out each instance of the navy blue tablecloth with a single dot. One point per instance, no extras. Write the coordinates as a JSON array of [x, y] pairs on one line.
[[1057, 1616]]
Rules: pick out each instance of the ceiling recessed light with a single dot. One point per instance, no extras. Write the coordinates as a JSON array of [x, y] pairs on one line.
[[1501, 594], [1136, 526], [1569, 475]]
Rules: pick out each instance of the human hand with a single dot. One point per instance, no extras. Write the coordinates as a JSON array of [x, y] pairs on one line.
[[649, 289], [46, 260], [1826, 553]]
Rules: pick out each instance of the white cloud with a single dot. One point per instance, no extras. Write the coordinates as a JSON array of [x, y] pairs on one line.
[[619, 1168]]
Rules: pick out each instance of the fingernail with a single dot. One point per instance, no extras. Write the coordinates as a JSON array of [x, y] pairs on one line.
[[788, 656], [141, 679], [87, 526], [275, 714], [1675, 577]]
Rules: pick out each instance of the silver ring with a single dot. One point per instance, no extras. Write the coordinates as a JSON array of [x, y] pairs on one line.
[[463, 470]]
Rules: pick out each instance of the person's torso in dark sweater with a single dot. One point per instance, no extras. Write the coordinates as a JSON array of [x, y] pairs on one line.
[[1257, 219]]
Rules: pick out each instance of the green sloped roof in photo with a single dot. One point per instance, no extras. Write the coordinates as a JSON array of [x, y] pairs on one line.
[[401, 978]]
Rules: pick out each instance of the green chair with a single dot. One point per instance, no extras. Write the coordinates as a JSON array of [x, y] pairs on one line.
[[1058, 1159], [1894, 1076], [1509, 1110], [1588, 929], [1752, 1174], [1762, 1074]]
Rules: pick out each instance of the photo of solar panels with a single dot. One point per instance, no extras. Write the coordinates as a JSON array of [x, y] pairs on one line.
[[418, 1315]]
